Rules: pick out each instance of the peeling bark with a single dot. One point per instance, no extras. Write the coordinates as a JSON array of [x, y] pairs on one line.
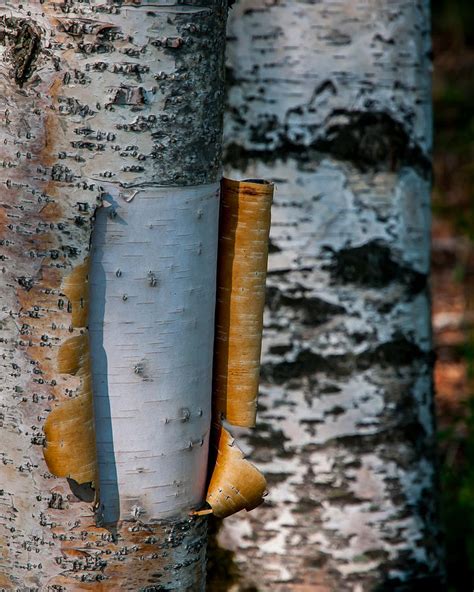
[[244, 225], [242, 270], [101, 102], [235, 483], [331, 101]]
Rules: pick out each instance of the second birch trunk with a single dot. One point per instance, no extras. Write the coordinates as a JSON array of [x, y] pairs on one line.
[[331, 101]]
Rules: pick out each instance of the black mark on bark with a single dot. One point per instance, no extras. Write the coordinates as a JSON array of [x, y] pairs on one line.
[[373, 141], [127, 95], [56, 501], [312, 310], [266, 440], [305, 364], [398, 352], [272, 247], [26, 283], [373, 265], [370, 141]]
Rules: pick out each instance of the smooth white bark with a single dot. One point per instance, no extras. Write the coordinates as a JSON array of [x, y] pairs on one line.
[[153, 278]]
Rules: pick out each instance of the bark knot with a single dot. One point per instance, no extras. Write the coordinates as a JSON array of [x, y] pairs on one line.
[[25, 50]]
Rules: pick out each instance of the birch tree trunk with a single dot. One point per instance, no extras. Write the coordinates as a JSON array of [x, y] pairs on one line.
[[331, 100], [115, 104]]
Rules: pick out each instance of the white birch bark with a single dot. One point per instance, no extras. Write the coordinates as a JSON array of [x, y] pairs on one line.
[[331, 100], [153, 283], [116, 103]]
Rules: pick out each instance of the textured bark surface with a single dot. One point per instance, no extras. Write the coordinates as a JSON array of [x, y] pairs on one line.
[[331, 101], [99, 100]]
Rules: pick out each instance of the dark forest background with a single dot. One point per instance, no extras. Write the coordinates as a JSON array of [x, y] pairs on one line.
[[453, 278]]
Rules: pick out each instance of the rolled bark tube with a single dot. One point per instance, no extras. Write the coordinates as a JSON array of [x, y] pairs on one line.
[[244, 228]]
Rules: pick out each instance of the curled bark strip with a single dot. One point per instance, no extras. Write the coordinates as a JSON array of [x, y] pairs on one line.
[[235, 483], [69, 428], [242, 266]]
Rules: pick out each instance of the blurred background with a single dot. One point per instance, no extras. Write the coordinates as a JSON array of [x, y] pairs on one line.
[[453, 277], [452, 288]]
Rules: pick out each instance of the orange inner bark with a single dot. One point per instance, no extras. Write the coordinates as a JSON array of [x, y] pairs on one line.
[[242, 266]]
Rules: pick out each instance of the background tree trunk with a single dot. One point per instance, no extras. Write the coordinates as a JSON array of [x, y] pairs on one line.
[[331, 101], [107, 102]]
